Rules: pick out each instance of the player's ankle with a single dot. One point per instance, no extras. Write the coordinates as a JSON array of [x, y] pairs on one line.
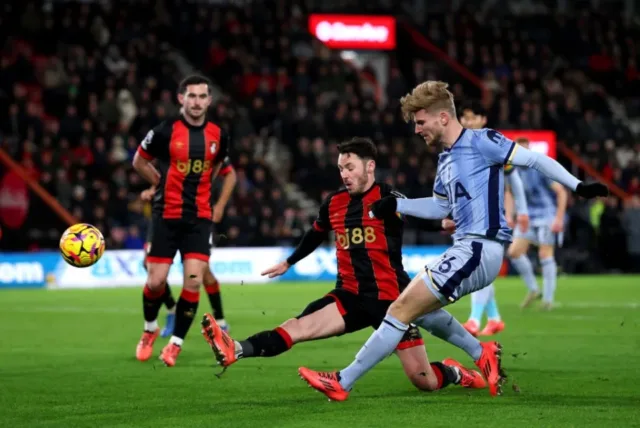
[[151, 326], [176, 341]]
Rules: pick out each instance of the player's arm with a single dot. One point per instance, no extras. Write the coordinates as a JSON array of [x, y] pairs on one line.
[[151, 147], [307, 245], [498, 149], [562, 197], [517, 191], [228, 184]]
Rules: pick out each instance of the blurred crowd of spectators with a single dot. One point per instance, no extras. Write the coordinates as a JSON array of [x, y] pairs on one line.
[[105, 76]]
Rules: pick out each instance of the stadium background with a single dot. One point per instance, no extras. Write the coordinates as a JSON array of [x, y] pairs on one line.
[[82, 82]]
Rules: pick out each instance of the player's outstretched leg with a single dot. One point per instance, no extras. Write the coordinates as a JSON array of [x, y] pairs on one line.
[[170, 304], [494, 322], [320, 319], [457, 271], [212, 287], [152, 297], [186, 308]]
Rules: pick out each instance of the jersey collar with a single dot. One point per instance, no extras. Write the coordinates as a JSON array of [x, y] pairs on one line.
[[457, 139]]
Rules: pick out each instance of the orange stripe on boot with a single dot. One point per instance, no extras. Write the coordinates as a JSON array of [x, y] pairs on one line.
[[190, 296], [212, 288]]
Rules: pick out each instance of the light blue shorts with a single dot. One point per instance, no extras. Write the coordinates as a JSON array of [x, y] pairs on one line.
[[468, 266], [538, 235]]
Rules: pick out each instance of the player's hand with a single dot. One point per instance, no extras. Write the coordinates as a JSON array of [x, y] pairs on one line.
[[383, 208], [558, 225], [523, 222], [592, 190], [448, 225], [147, 195], [218, 213], [510, 222], [276, 270]]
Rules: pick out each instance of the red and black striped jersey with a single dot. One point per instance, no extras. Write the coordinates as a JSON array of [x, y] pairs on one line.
[[186, 157], [368, 250]]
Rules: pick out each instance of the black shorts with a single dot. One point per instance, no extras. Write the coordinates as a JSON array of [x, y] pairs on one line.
[[166, 237], [361, 312]]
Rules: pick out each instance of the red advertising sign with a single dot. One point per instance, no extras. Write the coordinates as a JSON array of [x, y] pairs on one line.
[[539, 141], [354, 31], [14, 200]]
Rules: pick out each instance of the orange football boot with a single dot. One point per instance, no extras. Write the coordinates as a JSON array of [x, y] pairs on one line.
[[472, 327], [469, 378], [489, 364], [222, 345], [492, 327], [325, 382], [144, 350], [170, 354]]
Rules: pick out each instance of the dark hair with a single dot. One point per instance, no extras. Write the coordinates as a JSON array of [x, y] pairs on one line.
[[194, 79], [475, 106], [361, 146]]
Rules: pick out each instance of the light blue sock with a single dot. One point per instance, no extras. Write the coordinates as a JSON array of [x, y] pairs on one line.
[[549, 276], [443, 325], [525, 269], [492, 309], [479, 300], [381, 343]]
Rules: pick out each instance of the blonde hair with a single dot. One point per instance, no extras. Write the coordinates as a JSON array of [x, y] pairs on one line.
[[431, 95]]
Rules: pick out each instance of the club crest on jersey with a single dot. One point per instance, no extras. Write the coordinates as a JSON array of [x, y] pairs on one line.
[[214, 146]]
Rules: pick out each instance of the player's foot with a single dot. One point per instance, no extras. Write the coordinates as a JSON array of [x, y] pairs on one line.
[[170, 354], [222, 345], [546, 306], [492, 327], [326, 382], [531, 297], [489, 364], [144, 350], [472, 327], [169, 325], [468, 378]]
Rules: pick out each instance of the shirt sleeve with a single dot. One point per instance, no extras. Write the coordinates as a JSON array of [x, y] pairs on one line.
[[495, 147], [322, 222], [438, 189], [226, 167], [155, 144], [223, 152]]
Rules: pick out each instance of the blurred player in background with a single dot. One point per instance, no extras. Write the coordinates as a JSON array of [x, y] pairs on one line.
[[470, 185], [474, 117], [189, 151], [370, 277], [210, 282], [547, 202]]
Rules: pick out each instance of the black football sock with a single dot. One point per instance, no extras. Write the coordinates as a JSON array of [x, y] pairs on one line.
[[186, 310], [446, 375], [213, 291], [151, 303], [266, 344], [168, 299]]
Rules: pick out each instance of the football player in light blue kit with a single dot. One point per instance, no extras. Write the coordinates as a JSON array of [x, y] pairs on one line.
[[547, 201], [474, 117], [470, 185]]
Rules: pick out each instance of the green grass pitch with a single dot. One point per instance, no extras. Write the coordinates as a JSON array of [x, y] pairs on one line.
[[67, 360]]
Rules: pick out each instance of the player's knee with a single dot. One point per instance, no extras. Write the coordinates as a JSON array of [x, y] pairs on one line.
[[514, 252], [399, 310], [545, 252], [296, 330], [156, 282]]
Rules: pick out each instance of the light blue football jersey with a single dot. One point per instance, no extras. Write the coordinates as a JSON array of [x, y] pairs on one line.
[[470, 176], [541, 199]]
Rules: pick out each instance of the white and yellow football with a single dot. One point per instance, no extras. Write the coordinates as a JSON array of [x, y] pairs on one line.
[[82, 245]]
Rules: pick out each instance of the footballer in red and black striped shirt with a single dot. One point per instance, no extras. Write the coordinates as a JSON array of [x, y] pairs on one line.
[[370, 278], [189, 151]]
